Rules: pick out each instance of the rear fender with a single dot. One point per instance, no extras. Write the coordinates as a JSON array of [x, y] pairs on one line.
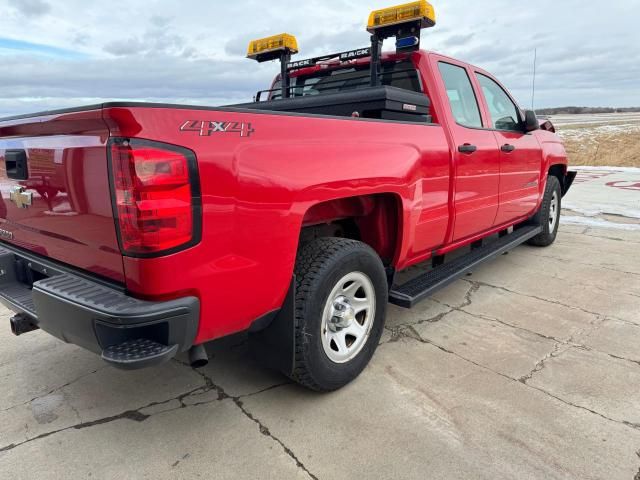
[[328, 182]]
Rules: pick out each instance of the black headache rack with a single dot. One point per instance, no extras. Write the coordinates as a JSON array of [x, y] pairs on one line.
[[343, 78], [382, 102], [127, 332]]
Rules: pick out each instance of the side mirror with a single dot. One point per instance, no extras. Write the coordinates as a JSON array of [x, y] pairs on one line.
[[531, 122]]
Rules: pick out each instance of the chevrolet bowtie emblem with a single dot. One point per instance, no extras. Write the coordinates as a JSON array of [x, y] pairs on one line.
[[21, 197]]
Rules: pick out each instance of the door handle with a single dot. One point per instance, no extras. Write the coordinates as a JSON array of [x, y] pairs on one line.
[[507, 148], [467, 148]]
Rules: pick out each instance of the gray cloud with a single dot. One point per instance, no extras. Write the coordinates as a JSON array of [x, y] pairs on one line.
[[237, 46], [31, 8], [160, 21], [81, 38], [456, 40], [157, 38], [157, 75], [194, 52]]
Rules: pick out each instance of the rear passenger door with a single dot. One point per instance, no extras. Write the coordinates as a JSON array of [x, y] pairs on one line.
[[476, 154], [520, 152]]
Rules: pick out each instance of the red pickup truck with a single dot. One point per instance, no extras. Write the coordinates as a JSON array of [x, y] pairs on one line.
[[142, 230]]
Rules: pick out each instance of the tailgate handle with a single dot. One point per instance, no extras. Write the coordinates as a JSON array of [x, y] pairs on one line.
[[16, 164]]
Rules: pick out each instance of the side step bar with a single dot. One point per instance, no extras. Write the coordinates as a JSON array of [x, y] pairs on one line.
[[421, 287]]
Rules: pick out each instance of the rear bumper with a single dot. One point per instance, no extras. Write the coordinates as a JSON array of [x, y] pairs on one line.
[[127, 332]]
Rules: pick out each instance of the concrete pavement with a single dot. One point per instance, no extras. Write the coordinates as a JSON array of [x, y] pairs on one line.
[[529, 369]]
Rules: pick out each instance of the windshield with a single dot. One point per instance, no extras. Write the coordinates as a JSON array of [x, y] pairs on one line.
[[401, 74]]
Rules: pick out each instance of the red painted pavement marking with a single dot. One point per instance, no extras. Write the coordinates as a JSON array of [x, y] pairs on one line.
[[588, 176], [625, 185]]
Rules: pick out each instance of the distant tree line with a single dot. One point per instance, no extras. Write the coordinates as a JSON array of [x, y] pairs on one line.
[[578, 110]]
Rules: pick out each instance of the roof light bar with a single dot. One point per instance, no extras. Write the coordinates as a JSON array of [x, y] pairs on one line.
[[421, 11], [272, 48]]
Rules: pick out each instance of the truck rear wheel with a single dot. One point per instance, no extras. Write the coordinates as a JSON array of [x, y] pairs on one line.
[[549, 214], [341, 298]]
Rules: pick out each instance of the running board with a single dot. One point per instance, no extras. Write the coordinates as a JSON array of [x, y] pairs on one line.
[[416, 290]]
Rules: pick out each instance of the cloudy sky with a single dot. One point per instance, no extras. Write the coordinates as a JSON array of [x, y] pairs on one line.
[[57, 54]]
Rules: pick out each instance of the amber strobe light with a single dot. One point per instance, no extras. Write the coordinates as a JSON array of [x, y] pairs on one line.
[[270, 48], [156, 197], [421, 11]]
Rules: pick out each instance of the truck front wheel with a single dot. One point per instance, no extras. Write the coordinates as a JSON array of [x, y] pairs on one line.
[[341, 298], [549, 214]]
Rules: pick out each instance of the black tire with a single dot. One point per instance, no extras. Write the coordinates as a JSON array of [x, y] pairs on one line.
[[543, 216], [320, 266]]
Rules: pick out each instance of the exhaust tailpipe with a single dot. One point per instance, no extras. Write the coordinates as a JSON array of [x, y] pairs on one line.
[[198, 357], [22, 323]]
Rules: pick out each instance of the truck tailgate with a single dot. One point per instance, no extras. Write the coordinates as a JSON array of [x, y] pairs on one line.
[[55, 197]]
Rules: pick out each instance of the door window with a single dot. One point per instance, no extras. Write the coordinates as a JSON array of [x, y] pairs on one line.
[[504, 113], [462, 98]]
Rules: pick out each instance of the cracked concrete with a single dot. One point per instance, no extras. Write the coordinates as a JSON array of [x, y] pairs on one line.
[[433, 413], [526, 369], [589, 378], [558, 349], [163, 445], [197, 397], [412, 334], [504, 349]]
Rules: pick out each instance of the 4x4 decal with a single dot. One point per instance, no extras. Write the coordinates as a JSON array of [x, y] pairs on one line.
[[206, 128]]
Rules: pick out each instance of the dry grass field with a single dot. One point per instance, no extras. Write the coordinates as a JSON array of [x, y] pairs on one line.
[[613, 143]]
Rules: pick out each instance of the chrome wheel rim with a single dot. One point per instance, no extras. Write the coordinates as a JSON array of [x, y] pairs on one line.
[[554, 212], [348, 317]]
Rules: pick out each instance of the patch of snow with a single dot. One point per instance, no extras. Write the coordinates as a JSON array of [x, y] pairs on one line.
[[566, 120], [598, 223], [595, 210], [607, 169], [592, 134]]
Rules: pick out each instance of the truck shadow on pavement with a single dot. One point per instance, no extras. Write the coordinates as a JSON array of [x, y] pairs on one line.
[[233, 368]]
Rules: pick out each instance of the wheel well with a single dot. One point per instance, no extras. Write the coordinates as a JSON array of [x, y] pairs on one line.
[[559, 171], [372, 219]]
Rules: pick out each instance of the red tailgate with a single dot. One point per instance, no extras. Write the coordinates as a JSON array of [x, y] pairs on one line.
[[55, 190]]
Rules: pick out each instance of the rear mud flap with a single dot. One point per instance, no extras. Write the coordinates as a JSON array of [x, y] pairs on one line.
[[274, 346]]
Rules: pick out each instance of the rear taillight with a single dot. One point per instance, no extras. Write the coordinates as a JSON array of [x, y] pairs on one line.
[[156, 197]]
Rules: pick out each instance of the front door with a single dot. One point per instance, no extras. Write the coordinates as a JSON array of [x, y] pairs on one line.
[[476, 156], [520, 153]]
